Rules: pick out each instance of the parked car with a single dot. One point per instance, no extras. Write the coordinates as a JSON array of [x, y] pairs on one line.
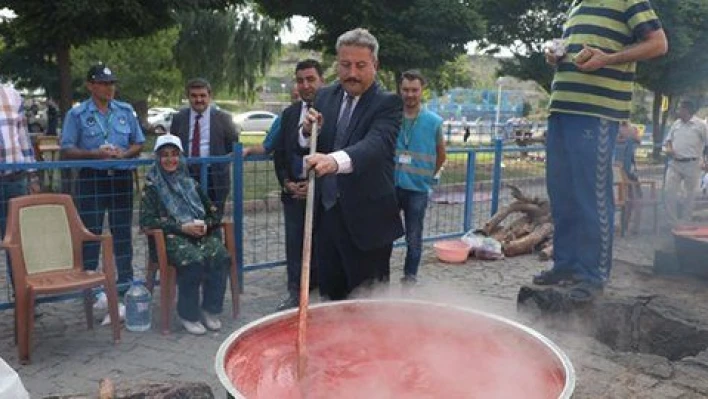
[[160, 119], [254, 121]]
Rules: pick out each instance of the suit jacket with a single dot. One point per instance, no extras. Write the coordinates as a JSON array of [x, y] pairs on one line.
[[222, 136], [367, 196], [287, 149]]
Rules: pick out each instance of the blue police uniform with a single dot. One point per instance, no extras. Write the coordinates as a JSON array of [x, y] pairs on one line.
[[105, 188]]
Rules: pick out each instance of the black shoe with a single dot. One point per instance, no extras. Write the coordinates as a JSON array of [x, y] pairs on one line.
[[291, 301], [409, 280], [553, 277]]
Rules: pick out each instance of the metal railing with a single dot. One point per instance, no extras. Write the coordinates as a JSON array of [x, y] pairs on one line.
[[469, 192]]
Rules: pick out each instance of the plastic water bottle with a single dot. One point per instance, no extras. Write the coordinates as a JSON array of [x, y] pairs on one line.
[[138, 307]]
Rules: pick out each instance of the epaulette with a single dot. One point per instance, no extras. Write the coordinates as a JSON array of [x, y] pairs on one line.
[[123, 104]]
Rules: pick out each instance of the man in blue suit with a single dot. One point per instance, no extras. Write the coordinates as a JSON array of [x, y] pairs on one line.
[[357, 215]]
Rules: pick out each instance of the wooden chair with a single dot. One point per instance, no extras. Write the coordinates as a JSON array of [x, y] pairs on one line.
[[635, 202], [45, 239], [620, 204], [168, 275]]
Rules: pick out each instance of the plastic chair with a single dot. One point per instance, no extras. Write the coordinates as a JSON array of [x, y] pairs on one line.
[[636, 199], [168, 274], [45, 239]]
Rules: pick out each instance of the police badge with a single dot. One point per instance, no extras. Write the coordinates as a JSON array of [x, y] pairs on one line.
[[90, 121], [122, 120]]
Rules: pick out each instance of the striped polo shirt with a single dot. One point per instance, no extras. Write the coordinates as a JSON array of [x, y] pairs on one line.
[[609, 25]]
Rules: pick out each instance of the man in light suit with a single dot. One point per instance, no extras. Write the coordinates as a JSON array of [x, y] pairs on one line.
[[288, 157], [206, 131], [358, 217]]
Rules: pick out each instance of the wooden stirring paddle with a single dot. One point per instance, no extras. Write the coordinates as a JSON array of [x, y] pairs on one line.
[[306, 259]]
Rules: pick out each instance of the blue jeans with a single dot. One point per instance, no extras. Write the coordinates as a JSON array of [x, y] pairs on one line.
[[211, 277], [579, 177], [413, 205], [9, 189]]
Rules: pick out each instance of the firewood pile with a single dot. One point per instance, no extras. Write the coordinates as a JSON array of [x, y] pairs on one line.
[[522, 227]]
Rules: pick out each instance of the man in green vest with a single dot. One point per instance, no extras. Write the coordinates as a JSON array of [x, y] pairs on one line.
[[420, 152]]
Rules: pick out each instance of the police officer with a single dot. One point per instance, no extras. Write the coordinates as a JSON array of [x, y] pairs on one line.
[[102, 128]]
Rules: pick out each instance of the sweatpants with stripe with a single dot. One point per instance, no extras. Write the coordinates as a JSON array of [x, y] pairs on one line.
[[579, 182]]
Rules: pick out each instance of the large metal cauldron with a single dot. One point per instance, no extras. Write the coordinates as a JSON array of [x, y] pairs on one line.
[[393, 349]]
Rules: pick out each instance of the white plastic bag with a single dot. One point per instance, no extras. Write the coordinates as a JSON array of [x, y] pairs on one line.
[[483, 247], [10, 383]]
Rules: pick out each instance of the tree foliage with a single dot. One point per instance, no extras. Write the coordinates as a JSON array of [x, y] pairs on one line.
[[50, 28], [421, 34], [524, 25], [231, 49], [145, 66]]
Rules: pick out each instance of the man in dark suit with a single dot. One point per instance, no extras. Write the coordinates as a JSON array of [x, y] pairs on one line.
[[206, 131], [290, 150], [358, 217]]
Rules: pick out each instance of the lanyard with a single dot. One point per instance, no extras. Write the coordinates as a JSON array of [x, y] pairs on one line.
[[408, 132], [98, 118]]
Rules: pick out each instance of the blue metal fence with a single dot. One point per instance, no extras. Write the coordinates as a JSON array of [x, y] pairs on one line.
[[469, 192]]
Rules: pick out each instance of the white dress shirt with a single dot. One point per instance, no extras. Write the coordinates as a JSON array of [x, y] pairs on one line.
[[204, 124], [344, 162]]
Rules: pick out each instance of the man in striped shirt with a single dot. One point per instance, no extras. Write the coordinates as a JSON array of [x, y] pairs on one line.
[[591, 94], [15, 148]]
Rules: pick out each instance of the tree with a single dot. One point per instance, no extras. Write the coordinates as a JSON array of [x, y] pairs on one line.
[[684, 70], [230, 49], [44, 31], [421, 34], [145, 67], [524, 25]]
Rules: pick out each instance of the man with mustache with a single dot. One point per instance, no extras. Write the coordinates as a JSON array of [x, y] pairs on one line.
[[289, 152], [357, 212], [206, 131]]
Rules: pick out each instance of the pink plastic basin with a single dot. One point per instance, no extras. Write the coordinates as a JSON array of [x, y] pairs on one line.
[[452, 251]]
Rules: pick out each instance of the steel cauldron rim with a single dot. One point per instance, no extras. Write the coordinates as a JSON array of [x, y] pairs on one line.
[[220, 360]]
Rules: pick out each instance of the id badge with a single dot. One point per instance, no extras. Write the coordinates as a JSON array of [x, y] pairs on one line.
[[405, 159]]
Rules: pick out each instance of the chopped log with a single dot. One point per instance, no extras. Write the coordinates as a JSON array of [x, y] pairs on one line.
[[499, 235], [518, 231], [519, 196], [532, 210], [526, 244], [547, 252]]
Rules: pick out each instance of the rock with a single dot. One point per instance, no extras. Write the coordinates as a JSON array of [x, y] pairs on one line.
[[163, 390], [152, 390], [652, 365]]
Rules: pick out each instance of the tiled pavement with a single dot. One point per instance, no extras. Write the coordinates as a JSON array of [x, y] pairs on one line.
[[69, 359]]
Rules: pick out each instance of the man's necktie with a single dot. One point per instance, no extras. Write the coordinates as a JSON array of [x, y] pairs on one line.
[[196, 137], [329, 182]]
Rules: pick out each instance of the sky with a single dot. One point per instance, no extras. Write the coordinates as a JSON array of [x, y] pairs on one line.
[[301, 30]]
